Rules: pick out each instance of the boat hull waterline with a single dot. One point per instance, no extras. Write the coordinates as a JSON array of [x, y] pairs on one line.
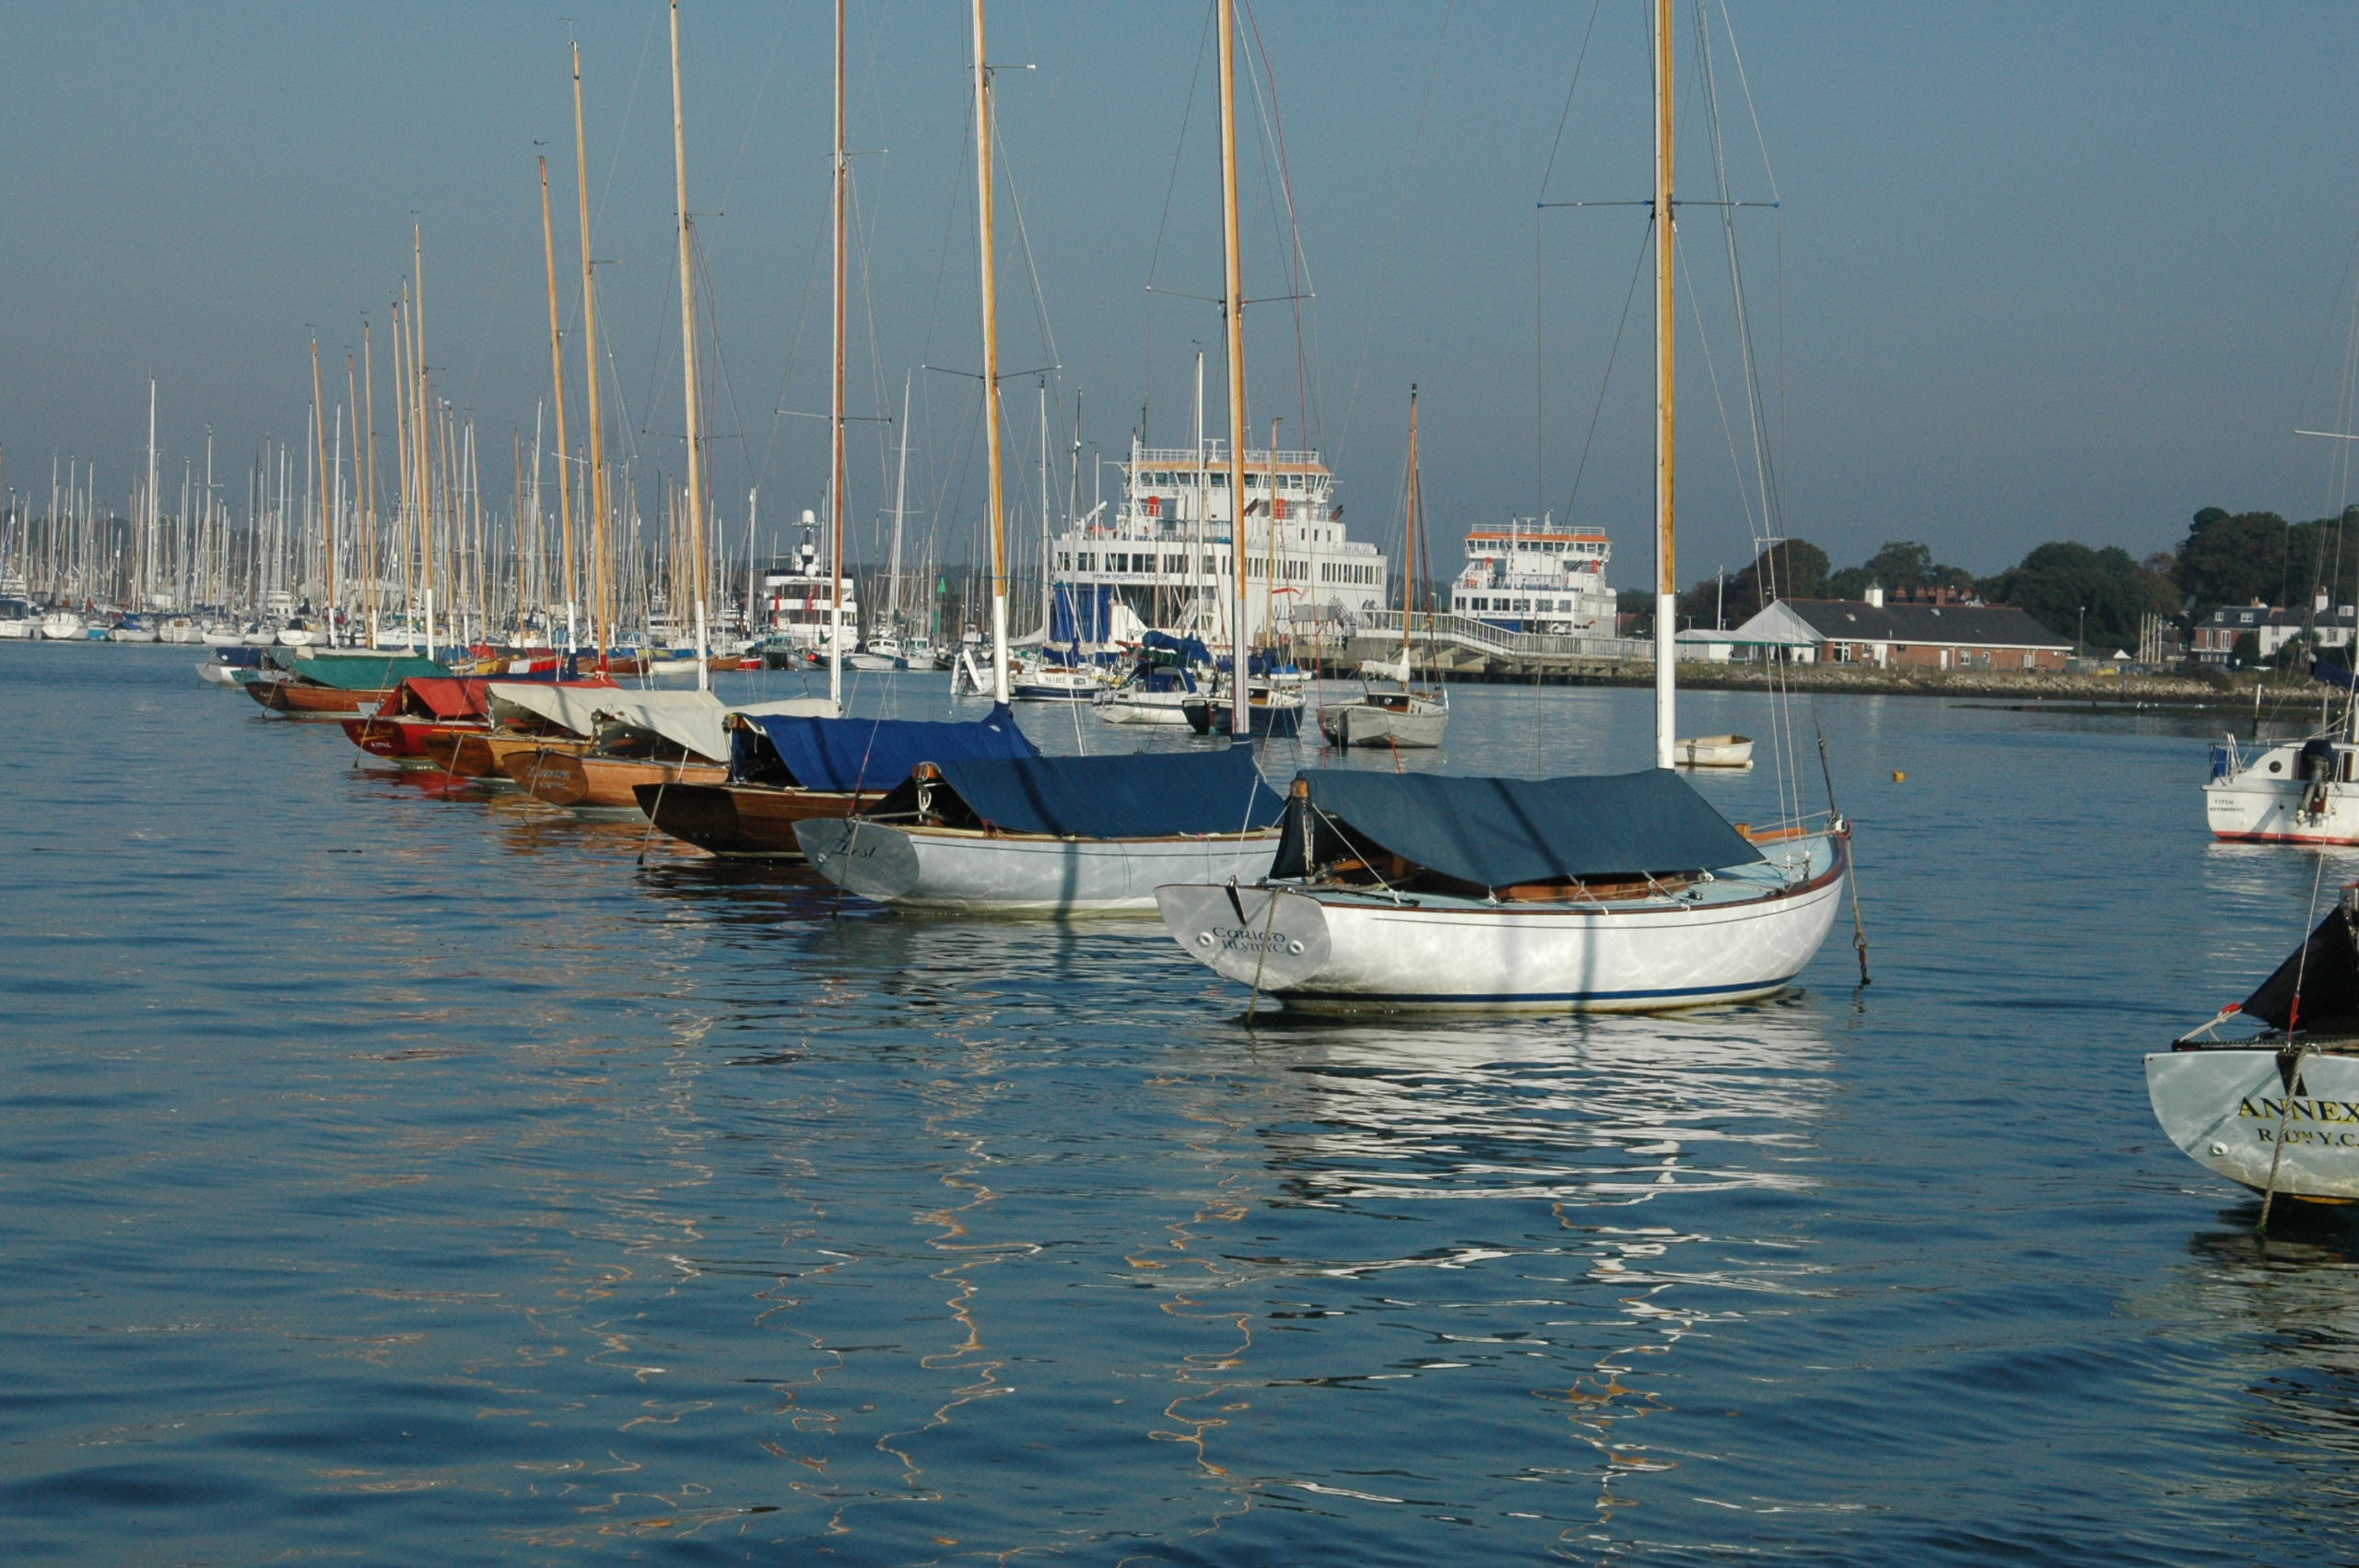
[[2227, 1110], [1327, 952], [971, 871]]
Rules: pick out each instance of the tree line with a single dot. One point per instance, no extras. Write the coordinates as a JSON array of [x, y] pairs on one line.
[[2100, 594]]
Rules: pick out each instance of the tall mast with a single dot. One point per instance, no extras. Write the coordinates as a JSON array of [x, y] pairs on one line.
[[368, 494], [1232, 306], [1409, 541], [836, 398], [601, 618], [421, 444], [1666, 551], [1047, 545], [901, 509], [557, 380], [689, 357], [318, 496], [147, 554], [990, 356]]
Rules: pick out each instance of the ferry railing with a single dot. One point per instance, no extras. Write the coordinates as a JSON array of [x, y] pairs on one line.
[[1469, 632]]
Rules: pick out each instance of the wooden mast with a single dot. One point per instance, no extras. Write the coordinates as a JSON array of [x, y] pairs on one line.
[[695, 538], [601, 618], [319, 491], [1233, 306], [421, 444], [1666, 551], [369, 492], [1409, 541], [556, 380], [990, 356], [836, 398]]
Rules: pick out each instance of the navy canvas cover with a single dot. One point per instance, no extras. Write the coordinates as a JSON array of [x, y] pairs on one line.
[[2315, 990], [1149, 795], [877, 754], [1502, 832]]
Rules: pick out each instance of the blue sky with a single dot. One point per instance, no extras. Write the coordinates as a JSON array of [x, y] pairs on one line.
[[2038, 271]]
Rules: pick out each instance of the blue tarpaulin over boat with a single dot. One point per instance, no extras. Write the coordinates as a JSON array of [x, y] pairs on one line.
[[1502, 832], [877, 754], [1151, 795], [2333, 673]]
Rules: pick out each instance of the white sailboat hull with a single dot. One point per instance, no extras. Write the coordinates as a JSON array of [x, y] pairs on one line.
[[1144, 708], [958, 869], [1713, 751], [1367, 724], [1324, 952], [2226, 1109], [2254, 807]]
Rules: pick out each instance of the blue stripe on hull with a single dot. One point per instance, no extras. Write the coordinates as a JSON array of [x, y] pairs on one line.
[[1686, 993]]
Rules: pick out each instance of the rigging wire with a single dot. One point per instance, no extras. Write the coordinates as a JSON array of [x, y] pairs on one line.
[[1539, 280], [1391, 240], [1300, 287]]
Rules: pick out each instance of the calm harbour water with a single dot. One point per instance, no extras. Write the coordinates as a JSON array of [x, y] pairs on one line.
[[390, 1174]]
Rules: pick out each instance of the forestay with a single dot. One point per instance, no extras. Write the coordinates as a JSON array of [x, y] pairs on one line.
[[1504, 832], [1152, 795], [2325, 971], [843, 754]]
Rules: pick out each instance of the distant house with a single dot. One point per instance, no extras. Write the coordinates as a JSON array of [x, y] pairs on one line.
[[2213, 641], [1951, 636]]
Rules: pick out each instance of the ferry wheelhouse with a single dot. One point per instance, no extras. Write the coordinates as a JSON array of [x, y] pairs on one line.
[[798, 596], [1164, 555], [1532, 575]]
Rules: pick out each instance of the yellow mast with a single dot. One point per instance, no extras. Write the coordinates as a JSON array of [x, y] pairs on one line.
[[556, 380], [323, 488], [1232, 306], [695, 536], [836, 400], [1666, 553], [601, 610], [421, 444], [990, 356], [1409, 541], [401, 438], [368, 495]]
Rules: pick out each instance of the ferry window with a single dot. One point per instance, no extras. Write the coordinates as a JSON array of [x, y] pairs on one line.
[[1064, 560]]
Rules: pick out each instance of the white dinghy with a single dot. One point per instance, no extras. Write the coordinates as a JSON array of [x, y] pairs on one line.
[[1054, 836], [2277, 1112], [1625, 893]]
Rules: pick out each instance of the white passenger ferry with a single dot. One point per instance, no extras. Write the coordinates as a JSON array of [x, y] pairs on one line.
[[797, 597], [1164, 554], [1532, 575]]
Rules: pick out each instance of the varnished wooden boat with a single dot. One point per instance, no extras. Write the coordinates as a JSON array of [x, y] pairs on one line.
[[302, 700], [483, 754], [756, 820], [600, 780]]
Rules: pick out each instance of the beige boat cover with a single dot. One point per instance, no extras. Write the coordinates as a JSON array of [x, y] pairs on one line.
[[690, 720]]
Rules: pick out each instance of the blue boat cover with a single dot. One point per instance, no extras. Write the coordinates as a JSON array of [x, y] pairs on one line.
[[877, 754], [1502, 832], [1150, 795], [2333, 673]]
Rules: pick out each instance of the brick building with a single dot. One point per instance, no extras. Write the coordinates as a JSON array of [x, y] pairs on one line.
[[1916, 635]]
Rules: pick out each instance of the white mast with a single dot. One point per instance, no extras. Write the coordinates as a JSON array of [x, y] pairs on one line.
[[1232, 306], [147, 555], [1047, 548], [901, 510], [990, 355], [836, 406], [1666, 553], [689, 361]]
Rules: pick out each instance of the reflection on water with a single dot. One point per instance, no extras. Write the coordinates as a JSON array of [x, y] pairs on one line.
[[398, 1168]]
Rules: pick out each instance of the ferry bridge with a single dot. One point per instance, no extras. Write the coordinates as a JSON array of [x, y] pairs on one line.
[[1464, 648]]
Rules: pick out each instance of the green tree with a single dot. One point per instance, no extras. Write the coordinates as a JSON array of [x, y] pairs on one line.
[[2074, 591], [1795, 569], [2232, 560]]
